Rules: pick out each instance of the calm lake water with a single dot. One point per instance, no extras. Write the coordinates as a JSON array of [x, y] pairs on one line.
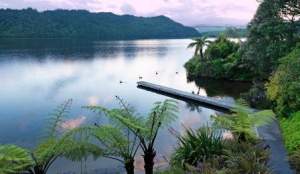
[[38, 75]]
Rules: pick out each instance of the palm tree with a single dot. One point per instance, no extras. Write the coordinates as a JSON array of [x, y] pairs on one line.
[[145, 129], [199, 44]]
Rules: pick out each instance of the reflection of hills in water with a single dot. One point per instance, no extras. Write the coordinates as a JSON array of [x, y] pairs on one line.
[[222, 88], [77, 49]]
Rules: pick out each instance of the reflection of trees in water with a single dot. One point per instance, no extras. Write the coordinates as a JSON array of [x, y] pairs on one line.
[[71, 49], [221, 87]]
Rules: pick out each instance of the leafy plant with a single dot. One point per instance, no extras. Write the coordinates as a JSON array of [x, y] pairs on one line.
[[221, 48], [14, 159], [198, 146], [242, 122], [109, 142], [244, 157], [144, 128], [284, 86], [290, 131]]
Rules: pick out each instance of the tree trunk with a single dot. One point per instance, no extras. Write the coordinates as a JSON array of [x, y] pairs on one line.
[[129, 166], [38, 170], [201, 54], [149, 156]]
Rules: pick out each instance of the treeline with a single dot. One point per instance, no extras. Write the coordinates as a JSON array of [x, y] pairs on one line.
[[29, 23], [231, 32]]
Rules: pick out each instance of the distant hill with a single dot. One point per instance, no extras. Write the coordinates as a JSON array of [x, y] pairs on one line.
[[30, 23], [229, 31]]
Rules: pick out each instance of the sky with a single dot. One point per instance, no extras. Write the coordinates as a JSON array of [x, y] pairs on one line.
[[187, 12]]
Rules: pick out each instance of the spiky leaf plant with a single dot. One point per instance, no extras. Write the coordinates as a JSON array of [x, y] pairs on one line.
[[145, 129], [242, 122], [197, 146], [14, 159]]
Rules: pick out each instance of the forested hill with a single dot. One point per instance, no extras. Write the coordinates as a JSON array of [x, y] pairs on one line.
[[30, 23]]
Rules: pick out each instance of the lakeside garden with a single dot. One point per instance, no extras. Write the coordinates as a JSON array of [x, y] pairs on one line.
[[270, 58]]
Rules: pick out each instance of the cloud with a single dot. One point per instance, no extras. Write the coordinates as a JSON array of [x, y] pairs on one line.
[[188, 12], [73, 123], [127, 9]]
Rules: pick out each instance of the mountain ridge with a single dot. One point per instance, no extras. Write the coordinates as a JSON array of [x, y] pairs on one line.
[[30, 23]]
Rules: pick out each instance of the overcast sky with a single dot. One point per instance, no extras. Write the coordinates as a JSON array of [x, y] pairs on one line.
[[187, 12]]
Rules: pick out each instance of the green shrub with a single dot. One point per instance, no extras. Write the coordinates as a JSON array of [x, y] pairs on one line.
[[257, 97], [221, 48], [245, 158], [284, 85], [197, 146], [291, 132]]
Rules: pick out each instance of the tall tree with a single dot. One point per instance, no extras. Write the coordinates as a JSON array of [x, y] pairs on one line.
[[267, 39], [199, 44]]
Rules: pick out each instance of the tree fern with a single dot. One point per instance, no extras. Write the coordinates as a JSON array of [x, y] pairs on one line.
[[13, 159], [57, 118], [145, 129], [242, 122]]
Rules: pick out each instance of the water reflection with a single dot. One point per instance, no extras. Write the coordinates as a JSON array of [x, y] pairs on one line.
[[38, 75]]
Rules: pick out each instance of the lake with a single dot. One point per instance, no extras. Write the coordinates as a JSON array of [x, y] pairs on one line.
[[38, 75]]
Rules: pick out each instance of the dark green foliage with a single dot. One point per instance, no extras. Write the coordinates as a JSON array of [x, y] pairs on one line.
[[234, 32], [230, 157], [30, 23], [284, 85], [241, 157], [198, 146], [222, 61], [268, 40], [295, 160], [257, 97], [221, 48]]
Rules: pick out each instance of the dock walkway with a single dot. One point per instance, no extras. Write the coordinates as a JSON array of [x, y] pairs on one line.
[[186, 95]]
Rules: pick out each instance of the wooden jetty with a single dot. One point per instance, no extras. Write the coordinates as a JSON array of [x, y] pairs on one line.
[[186, 95]]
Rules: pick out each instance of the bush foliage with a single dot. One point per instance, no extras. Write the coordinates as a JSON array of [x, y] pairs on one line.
[[284, 85]]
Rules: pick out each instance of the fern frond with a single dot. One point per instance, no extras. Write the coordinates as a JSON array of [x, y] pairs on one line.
[[14, 159], [57, 117]]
